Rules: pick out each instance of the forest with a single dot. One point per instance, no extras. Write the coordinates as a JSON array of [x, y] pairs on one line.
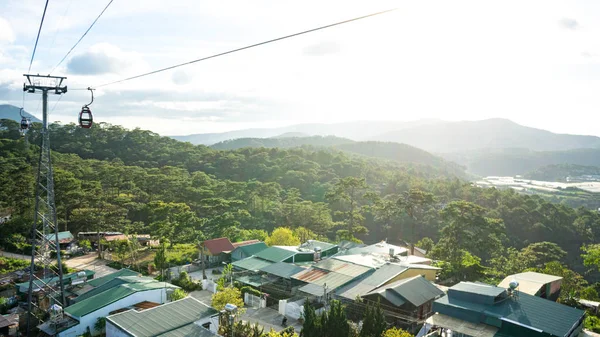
[[135, 181]]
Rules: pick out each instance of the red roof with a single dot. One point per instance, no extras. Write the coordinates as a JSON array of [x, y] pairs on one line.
[[217, 246], [244, 243]]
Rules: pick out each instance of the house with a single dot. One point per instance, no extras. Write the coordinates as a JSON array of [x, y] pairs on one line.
[[382, 248], [476, 309], [119, 293], [411, 298], [536, 284], [185, 317], [9, 325], [385, 275], [246, 250], [325, 249], [329, 275], [65, 239], [215, 250], [40, 287]]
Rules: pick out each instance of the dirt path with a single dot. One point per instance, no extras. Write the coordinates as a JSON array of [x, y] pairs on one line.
[[91, 262]]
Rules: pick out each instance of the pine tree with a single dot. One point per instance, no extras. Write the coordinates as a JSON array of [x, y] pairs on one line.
[[373, 321], [311, 326], [335, 322]]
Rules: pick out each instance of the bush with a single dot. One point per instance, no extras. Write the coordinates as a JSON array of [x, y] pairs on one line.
[[186, 283], [251, 291], [8, 265]]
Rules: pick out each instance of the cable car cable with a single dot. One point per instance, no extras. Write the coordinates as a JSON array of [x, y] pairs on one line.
[[38, 36], [82, 36], [58, 27], [243, 48]]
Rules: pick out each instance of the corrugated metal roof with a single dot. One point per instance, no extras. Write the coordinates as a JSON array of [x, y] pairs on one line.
[[529, 282], [310, 245], [463, 327], [121, 272], [345, 244], [476, 288], [112, 284], [23, 287], [252, 248], [282, 269], [342, 267], [381, 248], [244, 243], [112, 295], [251, 263], [366, 260], [321, 277], [275, 254], [218, 246], [162, 320], [314, 289], [416, 290], [190, 330], [529, 311], [63, 237]]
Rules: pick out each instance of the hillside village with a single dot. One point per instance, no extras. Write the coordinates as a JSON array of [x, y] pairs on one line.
[[269, 288]]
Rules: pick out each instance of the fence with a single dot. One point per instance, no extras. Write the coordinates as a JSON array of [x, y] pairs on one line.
[[254, 301], [209, 285]]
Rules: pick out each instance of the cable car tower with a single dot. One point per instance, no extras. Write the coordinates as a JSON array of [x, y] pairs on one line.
[[47, 284]]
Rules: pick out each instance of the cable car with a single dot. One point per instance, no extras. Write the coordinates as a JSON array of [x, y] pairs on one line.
[[85, 117], [25, 124]]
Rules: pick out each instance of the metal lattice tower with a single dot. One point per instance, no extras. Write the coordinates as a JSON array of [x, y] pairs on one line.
[[48, 285]]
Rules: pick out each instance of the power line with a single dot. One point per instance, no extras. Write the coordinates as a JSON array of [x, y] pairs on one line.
[[246, 47], [82, 36], [38, 36]]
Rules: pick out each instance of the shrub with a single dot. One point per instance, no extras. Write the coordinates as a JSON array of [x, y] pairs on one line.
[[251, 291]]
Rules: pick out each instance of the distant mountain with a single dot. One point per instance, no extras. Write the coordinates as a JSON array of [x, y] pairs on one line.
[[292, 135], [511, 162], [561, 172], [8, 111], [448, 137], [361, 130], [286, 142], [400, 153]]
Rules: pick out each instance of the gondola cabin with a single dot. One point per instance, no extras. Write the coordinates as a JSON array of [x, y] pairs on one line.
[[85, 118], [25, 124]]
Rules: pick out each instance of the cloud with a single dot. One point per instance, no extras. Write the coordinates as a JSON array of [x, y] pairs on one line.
[[568, 23], [181, 77], [6, 32], [102, 59], [322, 48]]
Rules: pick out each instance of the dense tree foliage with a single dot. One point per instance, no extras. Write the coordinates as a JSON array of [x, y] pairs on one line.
[[110, 178]]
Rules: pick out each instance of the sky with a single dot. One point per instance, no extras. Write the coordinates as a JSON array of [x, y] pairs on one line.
[[534, 62]]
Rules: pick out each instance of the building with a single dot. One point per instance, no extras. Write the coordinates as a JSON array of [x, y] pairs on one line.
[[246, 250], [215, 250], [9, 325], [186, 317], [324, 249], [116, 294], [329, 275], [65, 239], [477, 309], [536, 284]]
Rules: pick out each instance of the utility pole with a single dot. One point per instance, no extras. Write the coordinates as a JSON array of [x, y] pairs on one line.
[[44, 231]]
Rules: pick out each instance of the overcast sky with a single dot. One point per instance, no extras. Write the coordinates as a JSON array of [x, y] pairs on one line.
[[534, 62]]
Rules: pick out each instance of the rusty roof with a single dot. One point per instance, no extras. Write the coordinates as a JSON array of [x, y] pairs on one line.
[[244, 243], [342, 267], [218, 246]]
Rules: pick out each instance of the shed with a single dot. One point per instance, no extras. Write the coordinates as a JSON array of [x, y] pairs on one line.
[[536, 284], [247, 250]]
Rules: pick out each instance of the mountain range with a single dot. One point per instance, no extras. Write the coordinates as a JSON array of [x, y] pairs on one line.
[[8, 111], [431, 135]]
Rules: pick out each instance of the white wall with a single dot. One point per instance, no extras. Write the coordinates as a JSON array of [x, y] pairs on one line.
[[155, 295]]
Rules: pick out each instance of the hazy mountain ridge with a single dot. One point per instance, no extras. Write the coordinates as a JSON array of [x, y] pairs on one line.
[[400, 153], [8, 111]]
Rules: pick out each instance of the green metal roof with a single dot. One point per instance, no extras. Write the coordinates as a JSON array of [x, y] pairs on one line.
[[190, 330], [275, 254], [251, 263], [62, 236], [252, 249], [523, 310], [312, 244], [169, 319], [23, 287], [416, 290], [112, 295], [121, 272], [112, 284], [482, 292], [282, 269]]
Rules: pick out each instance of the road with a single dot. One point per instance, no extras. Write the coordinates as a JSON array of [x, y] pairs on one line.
[[15, 256], [91, 262]]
